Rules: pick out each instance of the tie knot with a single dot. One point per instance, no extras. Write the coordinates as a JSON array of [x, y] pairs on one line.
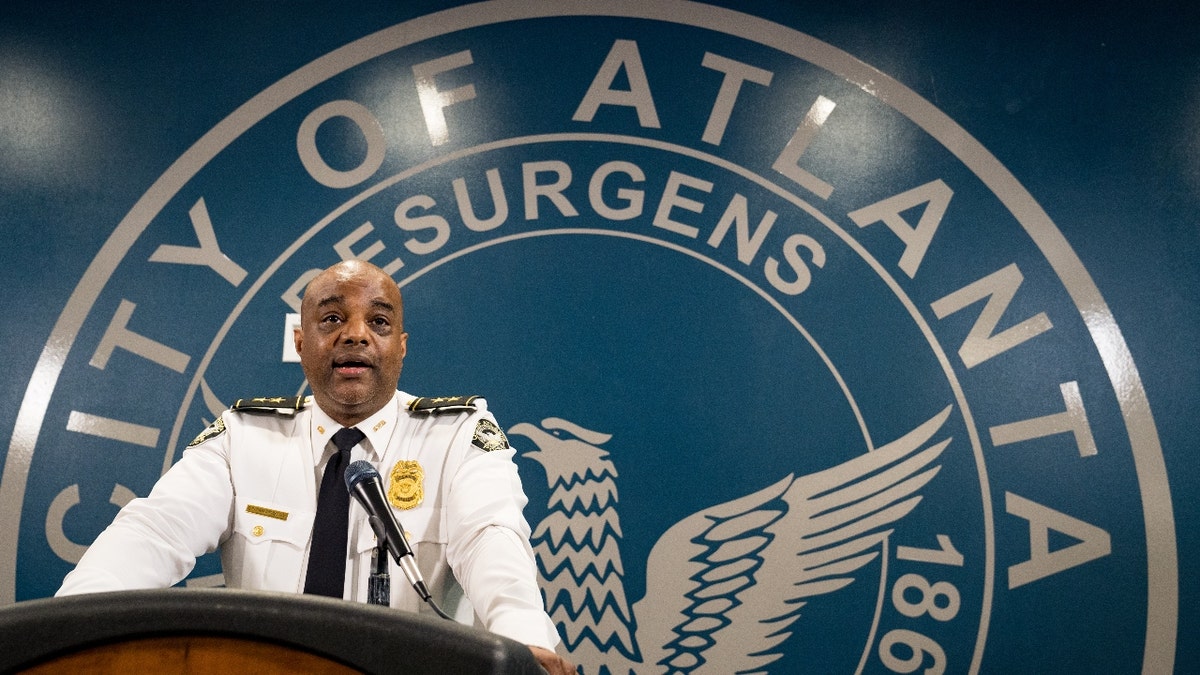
[[345, 439]]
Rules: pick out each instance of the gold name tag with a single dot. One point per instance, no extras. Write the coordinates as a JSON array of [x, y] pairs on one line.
[[264, 511]]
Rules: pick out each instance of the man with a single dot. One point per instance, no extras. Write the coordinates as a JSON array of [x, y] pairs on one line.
[[249, 483]]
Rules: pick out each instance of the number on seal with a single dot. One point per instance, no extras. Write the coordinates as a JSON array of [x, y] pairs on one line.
[[920, 645], [946, 555], [929, 598]]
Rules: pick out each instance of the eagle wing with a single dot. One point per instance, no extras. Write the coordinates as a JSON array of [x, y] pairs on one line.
[[725, 585]]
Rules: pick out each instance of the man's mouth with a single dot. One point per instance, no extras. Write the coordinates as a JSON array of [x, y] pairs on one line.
[[351, 367]]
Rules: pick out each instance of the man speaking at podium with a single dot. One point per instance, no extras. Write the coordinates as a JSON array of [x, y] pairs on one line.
[[264, 483]]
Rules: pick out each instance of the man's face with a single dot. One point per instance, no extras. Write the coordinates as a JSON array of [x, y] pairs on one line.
[[351, 340]]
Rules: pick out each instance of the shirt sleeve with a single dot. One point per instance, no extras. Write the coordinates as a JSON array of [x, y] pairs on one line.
[[488, 546], [154, 541]]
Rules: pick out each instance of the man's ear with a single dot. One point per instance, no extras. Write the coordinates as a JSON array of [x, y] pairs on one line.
[[298, 339]]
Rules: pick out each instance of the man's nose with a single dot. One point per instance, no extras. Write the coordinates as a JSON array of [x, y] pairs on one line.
[[355, 330]]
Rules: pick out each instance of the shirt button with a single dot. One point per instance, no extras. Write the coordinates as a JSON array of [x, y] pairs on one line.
[[257, 531]]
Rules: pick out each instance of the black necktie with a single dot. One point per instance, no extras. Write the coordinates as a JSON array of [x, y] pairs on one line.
[[327, 556]]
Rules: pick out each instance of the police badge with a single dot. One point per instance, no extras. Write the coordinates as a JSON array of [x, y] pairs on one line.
[[406, 489]]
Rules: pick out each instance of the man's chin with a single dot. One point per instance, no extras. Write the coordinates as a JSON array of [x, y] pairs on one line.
[[354, 398]]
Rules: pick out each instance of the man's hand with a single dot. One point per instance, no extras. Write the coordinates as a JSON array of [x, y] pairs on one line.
[[553, 663]]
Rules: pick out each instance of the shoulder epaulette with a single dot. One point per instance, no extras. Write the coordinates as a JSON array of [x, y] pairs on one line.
[[278, 405], [433, 405]]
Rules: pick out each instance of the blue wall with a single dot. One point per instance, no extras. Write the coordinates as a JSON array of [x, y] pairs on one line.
[[984, 211]]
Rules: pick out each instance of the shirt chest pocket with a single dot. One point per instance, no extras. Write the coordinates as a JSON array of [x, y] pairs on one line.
[[420, 527], [269, 544]]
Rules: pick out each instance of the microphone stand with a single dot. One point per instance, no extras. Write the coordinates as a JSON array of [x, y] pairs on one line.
[[379, 586]]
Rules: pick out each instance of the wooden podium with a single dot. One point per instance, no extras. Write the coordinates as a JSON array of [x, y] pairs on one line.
[[229, 631]]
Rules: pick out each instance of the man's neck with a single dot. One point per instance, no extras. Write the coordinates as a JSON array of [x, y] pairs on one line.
[[349, 416]]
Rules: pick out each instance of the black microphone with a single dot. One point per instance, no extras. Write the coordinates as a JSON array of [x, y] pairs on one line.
[[364, 482]]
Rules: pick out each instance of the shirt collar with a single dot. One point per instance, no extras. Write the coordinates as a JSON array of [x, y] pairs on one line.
[[378, 429]]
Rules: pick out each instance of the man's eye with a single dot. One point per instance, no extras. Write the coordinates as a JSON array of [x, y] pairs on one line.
[[332, 318]]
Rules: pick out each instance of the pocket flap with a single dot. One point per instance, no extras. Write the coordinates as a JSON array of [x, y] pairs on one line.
[[260, 521], [415, 524]]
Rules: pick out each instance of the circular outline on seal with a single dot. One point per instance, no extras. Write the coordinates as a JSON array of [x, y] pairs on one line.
[[1154, 489]]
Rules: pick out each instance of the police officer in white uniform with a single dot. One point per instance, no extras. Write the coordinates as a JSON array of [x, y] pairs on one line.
[[249, 483]]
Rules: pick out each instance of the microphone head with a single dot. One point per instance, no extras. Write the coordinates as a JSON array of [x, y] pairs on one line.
[[358, 471]]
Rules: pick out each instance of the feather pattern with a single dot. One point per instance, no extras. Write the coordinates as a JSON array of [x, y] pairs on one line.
[[724, 586]]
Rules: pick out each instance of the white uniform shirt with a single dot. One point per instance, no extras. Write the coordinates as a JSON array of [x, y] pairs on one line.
[[250, 488]]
